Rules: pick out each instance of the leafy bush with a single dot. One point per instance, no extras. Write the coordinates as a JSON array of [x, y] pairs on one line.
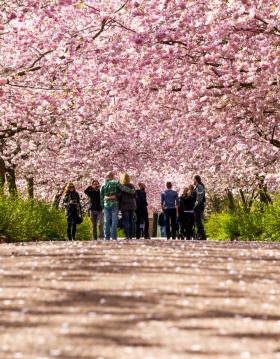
[[222, 226], [271, 222], [261, 223], [22, 220]]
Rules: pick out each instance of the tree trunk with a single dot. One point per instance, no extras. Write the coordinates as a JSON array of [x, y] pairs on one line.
[[243, 199], [263, 193], [11, 179], [231, 203], [30, 187], [2, 176]]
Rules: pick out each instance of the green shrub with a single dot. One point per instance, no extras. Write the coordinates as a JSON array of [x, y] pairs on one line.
[[222, 226], [34, 220], [260, 223], [23, 220], [271, 222]]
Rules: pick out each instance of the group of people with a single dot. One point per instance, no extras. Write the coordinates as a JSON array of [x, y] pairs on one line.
[[104, 205], [180, 214]]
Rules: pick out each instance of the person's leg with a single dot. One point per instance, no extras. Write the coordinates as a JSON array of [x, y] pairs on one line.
[[114, 216], [198, 212], [100, 225], [146, 223], [138, 222], [74, 226], [173, 222], [188, 225], [167, 222], [125, 219], [191, 225], [93, 217], [107, 222], [69, 225], [130, 224]]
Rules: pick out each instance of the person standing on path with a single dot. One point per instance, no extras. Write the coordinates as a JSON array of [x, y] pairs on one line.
[[142, 216], [110, 193], [127, 203], [72, 204], [95, 209], [169, 204], [186, 212], [199, 207]]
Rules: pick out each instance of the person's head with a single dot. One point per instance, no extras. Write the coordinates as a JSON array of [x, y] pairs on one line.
[[191, 189], [110, 176], [124, 179], [197, 180], [70, 187], [168, 185], [95, 184], [185, 192], [142, 185]]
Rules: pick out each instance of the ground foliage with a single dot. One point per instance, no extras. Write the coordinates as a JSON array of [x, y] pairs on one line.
[[259, 223], [27, 220]]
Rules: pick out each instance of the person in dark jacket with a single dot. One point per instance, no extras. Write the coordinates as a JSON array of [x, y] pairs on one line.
[[95, 209], [72, 204], [186, 212], [169, 204], [199, 207], [127, 205], [142, 216]]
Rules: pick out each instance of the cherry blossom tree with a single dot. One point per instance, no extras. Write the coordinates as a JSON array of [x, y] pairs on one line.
[[162, 89]]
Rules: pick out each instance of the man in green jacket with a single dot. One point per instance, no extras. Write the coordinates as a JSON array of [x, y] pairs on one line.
[[109, 200]]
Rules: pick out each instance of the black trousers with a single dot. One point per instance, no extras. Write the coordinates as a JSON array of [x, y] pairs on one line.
[[170, 218], [142, 217], [198, 215], [188, 225], [71, 226]]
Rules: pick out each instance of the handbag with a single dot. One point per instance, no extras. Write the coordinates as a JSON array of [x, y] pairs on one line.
[[79, 219]]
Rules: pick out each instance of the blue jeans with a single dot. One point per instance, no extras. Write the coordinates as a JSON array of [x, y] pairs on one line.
[[162, 231], [127, 217], [111, 218]]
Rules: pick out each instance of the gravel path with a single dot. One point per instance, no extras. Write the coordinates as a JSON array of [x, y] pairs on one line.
[[143, 299]]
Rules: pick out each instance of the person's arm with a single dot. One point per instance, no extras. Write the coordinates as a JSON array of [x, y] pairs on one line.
[[79, 205], [88, 191], [162, 201], [199, 195], [177, 204], [145, 199], [102, 197], [65, 201], [125, 188]]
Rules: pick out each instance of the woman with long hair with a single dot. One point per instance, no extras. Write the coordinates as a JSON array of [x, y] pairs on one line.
[[127, 205], [72, 204]]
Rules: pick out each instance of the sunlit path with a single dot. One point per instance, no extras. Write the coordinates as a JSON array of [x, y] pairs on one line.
[[152, 299]]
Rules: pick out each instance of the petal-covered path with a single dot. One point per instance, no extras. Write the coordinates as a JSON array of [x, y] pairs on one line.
[[152, 299]]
